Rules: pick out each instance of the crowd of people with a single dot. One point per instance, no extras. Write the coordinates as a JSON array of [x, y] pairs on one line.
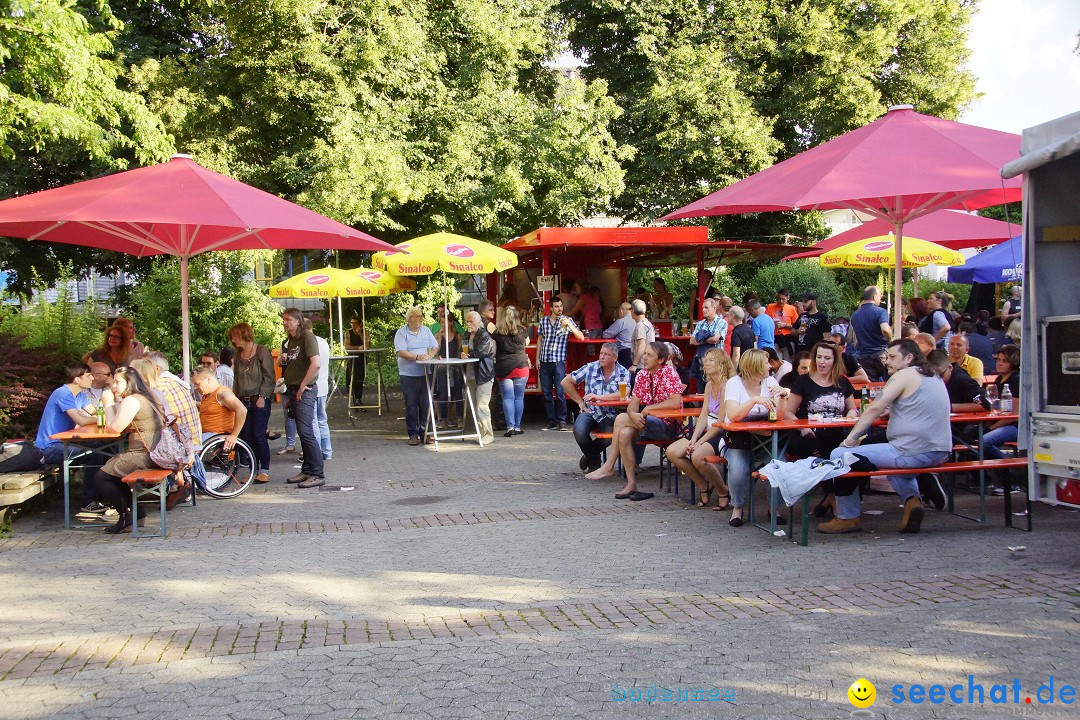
[[748, 361]]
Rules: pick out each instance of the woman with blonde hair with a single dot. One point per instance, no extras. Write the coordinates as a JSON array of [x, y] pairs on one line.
[[511, 366], [748, 396], [689, 455]]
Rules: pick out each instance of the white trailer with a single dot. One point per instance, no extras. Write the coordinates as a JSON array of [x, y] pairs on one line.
[[1050, 347]]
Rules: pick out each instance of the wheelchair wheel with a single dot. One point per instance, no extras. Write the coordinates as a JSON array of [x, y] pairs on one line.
[[227, 473]]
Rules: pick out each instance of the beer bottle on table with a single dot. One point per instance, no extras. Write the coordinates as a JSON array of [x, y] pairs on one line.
[[864, 400], [101, 414]]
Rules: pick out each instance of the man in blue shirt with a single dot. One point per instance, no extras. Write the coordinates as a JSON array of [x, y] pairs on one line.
[[708, 333], [870, 323], [622, 330], [552, 335], [70, 406], [764, 327], [601, 379]]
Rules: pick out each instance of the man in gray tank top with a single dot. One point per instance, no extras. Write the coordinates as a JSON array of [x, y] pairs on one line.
[[919, 435]]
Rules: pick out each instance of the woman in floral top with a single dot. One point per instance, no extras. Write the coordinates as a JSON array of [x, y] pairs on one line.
[[656, 387]]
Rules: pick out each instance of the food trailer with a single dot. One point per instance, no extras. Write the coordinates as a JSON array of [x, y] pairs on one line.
[[1050, 345], [553, 256]]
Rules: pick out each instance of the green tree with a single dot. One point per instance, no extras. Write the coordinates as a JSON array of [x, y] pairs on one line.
[[221, 294], [798, 277], [717, 89], [65, 115], [399, 117]]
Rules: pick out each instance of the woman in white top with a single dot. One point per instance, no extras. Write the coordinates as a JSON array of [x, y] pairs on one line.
[[748, 396], [688, 455]]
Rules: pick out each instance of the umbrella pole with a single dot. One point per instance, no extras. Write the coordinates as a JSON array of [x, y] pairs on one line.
[[340, 325], [330, 319], [185, 317], [898, 284]]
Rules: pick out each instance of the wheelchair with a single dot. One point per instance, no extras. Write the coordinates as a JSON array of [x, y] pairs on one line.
[[228, 473]]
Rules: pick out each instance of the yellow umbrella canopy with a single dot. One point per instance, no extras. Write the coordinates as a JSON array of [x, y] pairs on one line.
[[334, 282], [881, 252], [447, 252]]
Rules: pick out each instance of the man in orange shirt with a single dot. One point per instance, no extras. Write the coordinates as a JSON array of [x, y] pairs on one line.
[[220, 410], [784, 315]]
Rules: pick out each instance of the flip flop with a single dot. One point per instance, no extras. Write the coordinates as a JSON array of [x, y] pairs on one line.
[[640, 496], [623, 496]]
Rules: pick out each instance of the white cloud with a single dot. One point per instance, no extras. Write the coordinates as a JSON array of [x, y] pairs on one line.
[[1022, 56]]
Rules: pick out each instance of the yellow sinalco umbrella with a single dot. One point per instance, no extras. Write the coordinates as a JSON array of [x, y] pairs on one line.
[[881, 252], [332, 282], [447, 252]]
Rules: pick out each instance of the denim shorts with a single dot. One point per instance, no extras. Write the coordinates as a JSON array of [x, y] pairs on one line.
[[657, 429]]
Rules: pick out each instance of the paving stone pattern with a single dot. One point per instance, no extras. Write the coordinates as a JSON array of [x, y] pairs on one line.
[[499, 583]]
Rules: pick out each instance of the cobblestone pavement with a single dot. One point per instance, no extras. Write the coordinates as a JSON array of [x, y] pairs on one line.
[[500, 583]]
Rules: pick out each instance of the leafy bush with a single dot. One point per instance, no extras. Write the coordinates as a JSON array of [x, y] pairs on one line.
[[799, 276], [27, 377], [959, 291], [221, 294], [64, 326]]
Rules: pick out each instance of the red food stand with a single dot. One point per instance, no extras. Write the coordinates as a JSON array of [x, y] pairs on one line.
[[604, 256]]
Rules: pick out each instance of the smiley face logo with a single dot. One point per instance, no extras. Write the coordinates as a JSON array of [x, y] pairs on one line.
[[862, 693]]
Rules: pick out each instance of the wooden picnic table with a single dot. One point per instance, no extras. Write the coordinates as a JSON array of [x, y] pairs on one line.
[[102, 442]]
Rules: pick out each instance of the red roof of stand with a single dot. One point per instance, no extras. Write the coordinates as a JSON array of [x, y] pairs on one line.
[[641, 246]]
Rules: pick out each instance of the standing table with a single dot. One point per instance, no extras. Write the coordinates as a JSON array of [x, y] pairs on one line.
[[457, 366]]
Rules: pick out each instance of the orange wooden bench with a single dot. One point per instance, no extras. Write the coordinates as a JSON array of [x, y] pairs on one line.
[[662, 444], [942, 469], [153, 482]]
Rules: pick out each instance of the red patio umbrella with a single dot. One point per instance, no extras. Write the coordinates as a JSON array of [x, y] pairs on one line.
[[175, 208], [954, 229], [898, 168]]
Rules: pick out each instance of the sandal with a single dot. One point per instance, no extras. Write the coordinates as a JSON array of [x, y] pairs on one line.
[[704, 498], [725, 506]]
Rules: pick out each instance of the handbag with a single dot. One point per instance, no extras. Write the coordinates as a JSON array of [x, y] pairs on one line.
[[738, 440], [175, 449]]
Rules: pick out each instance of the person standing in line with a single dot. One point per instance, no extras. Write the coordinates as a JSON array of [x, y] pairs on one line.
[[643, 336], [477, 343], [811, 326], [552, 336], [784, 315], [254, 386], [511, 366], [708, 334], [411, 343], [764, 327], [741, 336], [870, 323], [621, 331], [300, 360]]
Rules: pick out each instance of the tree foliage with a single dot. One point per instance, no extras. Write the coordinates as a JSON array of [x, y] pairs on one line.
[[65, 115], [718, 89], [220, 295], [401, 117]]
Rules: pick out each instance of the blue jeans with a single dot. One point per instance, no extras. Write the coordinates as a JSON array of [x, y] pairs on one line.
[[995, 438], [322, 426], [254, 432], [551, 375], [304, 414], [414, 391], [738, 472], [583, 428], [884, 455], [513, 400], [290, 425]]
